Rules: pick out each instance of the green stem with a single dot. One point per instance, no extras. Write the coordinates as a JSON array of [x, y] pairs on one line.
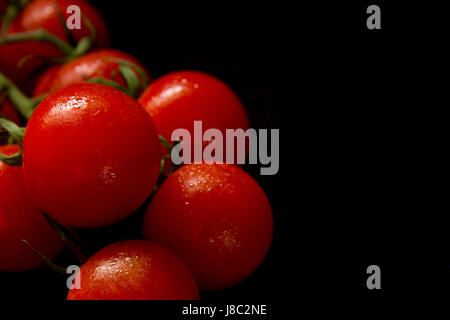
[[130, 69], [74, 247], [138, 70], [17, 134], [12, 11], [88, 23], [46, 260], [133, 82], [163, 163], [13, 161], [10, 14], [62, 22], [107, 82], [165, 143], [166, 157], [40, 35], [83, 46], [14, 130], [24, 104]]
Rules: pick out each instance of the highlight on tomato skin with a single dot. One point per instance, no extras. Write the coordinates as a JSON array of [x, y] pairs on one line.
[[216, 218], [177, 99], [135, 270], [21, 219], [91, 155]]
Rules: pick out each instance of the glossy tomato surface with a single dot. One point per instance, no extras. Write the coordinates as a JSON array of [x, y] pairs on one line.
[[95, 64], [91, 155], [135, 270], [45, 14], [177, 99], [21, 219], [216, 218]]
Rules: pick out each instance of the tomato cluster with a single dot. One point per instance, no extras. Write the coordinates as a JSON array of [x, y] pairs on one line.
[[94, 148]]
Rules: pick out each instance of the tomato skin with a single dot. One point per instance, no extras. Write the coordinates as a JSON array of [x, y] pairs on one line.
[[177, 99], [44, 82], [94, 64], [216, 218], [135, 270], [91, 155], [20, 219], [43, 14]]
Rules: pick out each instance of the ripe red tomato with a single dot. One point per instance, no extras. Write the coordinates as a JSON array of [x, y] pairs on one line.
[[44, 14], [45, 81], [135, 270], [178, 99], [91, 65], [20, 219], [91, 155], [216, 218]]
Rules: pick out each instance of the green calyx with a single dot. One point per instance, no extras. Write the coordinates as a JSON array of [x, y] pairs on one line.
[[135, 78], [163, 174], [166, 157], [17, 135]]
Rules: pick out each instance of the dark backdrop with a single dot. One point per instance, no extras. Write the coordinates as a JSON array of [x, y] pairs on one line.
[[347, 194], [235, 44]]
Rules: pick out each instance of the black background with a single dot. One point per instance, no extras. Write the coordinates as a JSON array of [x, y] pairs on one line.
[[219, 39], [350, 189]]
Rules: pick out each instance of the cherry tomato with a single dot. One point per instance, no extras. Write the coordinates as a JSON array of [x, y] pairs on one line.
[[216, 218], [20, 219], [45, 81], [91, 155], [44, 14], [178, 99], [135, 270], [95, 64]]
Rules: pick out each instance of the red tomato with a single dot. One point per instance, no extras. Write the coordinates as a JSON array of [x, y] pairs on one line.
[[135, 270], [44, 14], [178, 99], [94, 64], [20, 219], [216, 218], [91, 155], [45, 80]]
